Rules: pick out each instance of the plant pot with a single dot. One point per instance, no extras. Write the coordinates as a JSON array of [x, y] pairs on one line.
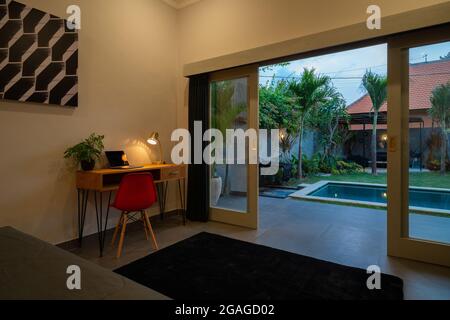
[[215, 190], [88, 165]]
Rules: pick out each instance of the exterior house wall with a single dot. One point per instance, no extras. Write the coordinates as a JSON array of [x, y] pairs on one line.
[[354, 148]]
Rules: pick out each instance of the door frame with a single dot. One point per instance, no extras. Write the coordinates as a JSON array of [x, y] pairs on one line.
[[249, 219], [400, 244]]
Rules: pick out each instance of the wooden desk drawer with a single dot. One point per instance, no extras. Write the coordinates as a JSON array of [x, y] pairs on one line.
[[88, 181], [173, 173]]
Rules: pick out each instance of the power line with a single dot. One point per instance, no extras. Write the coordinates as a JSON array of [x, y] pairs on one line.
[[365, 68], [354, 78], [358, 69], [299, 77]]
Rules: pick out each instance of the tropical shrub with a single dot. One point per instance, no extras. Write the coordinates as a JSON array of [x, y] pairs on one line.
[[433, 144], [440, 112], [435, 165], [344, 167], [311, 166], [329, 165], [294, 169]]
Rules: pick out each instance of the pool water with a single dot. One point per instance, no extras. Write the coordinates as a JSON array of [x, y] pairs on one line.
[[417, 197]]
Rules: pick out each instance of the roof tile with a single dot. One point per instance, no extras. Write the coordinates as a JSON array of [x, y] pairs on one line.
[[424, 77]]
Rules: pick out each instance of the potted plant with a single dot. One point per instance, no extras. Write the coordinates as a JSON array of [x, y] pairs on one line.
[[216, 187], [87, 152]]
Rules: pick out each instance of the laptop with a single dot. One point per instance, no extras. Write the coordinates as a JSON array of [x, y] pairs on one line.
[[118, 160]]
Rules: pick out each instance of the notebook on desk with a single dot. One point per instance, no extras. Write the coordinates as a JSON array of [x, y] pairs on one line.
[[119, 160]]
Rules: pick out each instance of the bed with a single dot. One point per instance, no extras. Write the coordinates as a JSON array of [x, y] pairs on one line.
[[33, 269]]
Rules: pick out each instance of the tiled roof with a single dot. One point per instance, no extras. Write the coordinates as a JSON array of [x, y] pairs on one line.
[[424, 77]]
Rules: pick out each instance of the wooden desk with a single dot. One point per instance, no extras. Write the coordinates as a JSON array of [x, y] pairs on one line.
[[108, 181]]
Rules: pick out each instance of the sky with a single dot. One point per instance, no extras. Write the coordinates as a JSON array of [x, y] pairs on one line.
[[347, 68]]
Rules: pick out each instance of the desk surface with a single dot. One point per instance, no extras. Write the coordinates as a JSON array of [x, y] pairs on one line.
[[109, 179], [147, 167]]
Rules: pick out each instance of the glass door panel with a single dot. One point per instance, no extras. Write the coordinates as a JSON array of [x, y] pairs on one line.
[[419, 181], [429, 130], [229, 111], [233, 179]]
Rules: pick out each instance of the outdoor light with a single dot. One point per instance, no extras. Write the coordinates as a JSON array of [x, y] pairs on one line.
[[154, 140]]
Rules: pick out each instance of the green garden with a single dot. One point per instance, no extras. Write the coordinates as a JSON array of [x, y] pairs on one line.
[[311, 103]]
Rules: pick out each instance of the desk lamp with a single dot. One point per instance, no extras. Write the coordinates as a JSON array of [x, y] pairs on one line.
[[154, 140]]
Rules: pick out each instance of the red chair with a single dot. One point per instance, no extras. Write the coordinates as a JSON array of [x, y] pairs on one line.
[[137, 193]]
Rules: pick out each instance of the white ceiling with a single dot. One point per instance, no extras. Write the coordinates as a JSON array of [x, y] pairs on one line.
[[180, 4]]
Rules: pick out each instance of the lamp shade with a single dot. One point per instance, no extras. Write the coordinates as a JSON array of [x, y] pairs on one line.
[[153, 139]]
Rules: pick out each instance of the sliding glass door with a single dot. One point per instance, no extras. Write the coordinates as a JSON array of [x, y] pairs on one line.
[[419, 129], [233, 176]]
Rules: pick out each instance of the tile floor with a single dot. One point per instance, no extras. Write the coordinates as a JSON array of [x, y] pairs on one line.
[[346, 235]]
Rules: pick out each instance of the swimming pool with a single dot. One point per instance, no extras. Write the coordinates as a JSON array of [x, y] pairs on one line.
[[418, 197]]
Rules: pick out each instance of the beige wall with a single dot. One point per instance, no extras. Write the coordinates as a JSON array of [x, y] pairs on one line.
[[127, 85], [212, 28]]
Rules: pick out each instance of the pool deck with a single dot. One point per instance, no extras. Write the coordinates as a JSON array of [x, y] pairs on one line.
[[421, 226]]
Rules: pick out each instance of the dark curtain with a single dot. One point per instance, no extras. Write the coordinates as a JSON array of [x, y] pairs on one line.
[[198, 185]]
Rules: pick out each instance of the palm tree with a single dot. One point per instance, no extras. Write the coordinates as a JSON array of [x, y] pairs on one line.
[[376, 86], [307, 93], [440, 112]]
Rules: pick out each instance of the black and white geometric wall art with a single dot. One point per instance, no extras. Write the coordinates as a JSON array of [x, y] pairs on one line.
[[38, 56]]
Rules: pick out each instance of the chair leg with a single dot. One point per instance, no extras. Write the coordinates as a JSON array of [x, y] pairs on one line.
[[150, 229], [122, 236], [116, 231], [145, 224]]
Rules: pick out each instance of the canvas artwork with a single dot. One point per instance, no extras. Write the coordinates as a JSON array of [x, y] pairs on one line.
[[38, 56]]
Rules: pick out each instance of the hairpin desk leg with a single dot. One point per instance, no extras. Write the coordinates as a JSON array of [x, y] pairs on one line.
[[161, 189], [101, 228], [83, 196]]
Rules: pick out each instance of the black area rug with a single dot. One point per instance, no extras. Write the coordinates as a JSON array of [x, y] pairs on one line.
[[212, 267]]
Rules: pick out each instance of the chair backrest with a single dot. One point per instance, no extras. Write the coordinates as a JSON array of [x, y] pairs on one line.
[[136, 192]]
